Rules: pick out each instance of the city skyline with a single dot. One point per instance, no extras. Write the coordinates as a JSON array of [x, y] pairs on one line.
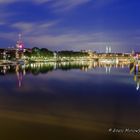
[[71, 25]]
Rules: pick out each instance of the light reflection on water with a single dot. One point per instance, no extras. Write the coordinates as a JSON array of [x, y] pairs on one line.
[[77, 100]]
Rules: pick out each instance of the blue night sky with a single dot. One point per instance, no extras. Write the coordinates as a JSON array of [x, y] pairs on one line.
[[71, 24]]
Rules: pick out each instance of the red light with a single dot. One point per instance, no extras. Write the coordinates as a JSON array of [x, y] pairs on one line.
[[20, 46]]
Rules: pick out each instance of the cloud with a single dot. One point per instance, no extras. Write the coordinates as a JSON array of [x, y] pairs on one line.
[[2, 23], [66, 5], [55, 5], [62, 5], [7, 1], [7, 14], [102, 3], [33, 28], [77, 41]]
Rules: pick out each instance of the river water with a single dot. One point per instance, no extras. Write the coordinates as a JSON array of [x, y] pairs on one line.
[[69, 101]]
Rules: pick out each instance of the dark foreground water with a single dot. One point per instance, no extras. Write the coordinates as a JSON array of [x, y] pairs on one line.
[[69, 101]]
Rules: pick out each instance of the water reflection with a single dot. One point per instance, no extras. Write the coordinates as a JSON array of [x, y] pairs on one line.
[[135, 69], [43, 68], [77, 100]]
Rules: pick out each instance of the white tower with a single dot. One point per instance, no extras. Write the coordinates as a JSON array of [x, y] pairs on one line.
[[107, 49]]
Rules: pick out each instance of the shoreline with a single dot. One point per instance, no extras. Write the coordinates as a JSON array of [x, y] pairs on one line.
[[104, 61]]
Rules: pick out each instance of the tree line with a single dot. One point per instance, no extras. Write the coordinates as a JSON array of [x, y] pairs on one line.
[[44, 52]]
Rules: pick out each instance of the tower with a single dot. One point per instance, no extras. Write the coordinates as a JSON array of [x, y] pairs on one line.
[[19, 47], [20, 44], [107, 49]]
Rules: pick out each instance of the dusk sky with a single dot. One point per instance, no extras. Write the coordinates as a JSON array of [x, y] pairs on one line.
[[71, 24]]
